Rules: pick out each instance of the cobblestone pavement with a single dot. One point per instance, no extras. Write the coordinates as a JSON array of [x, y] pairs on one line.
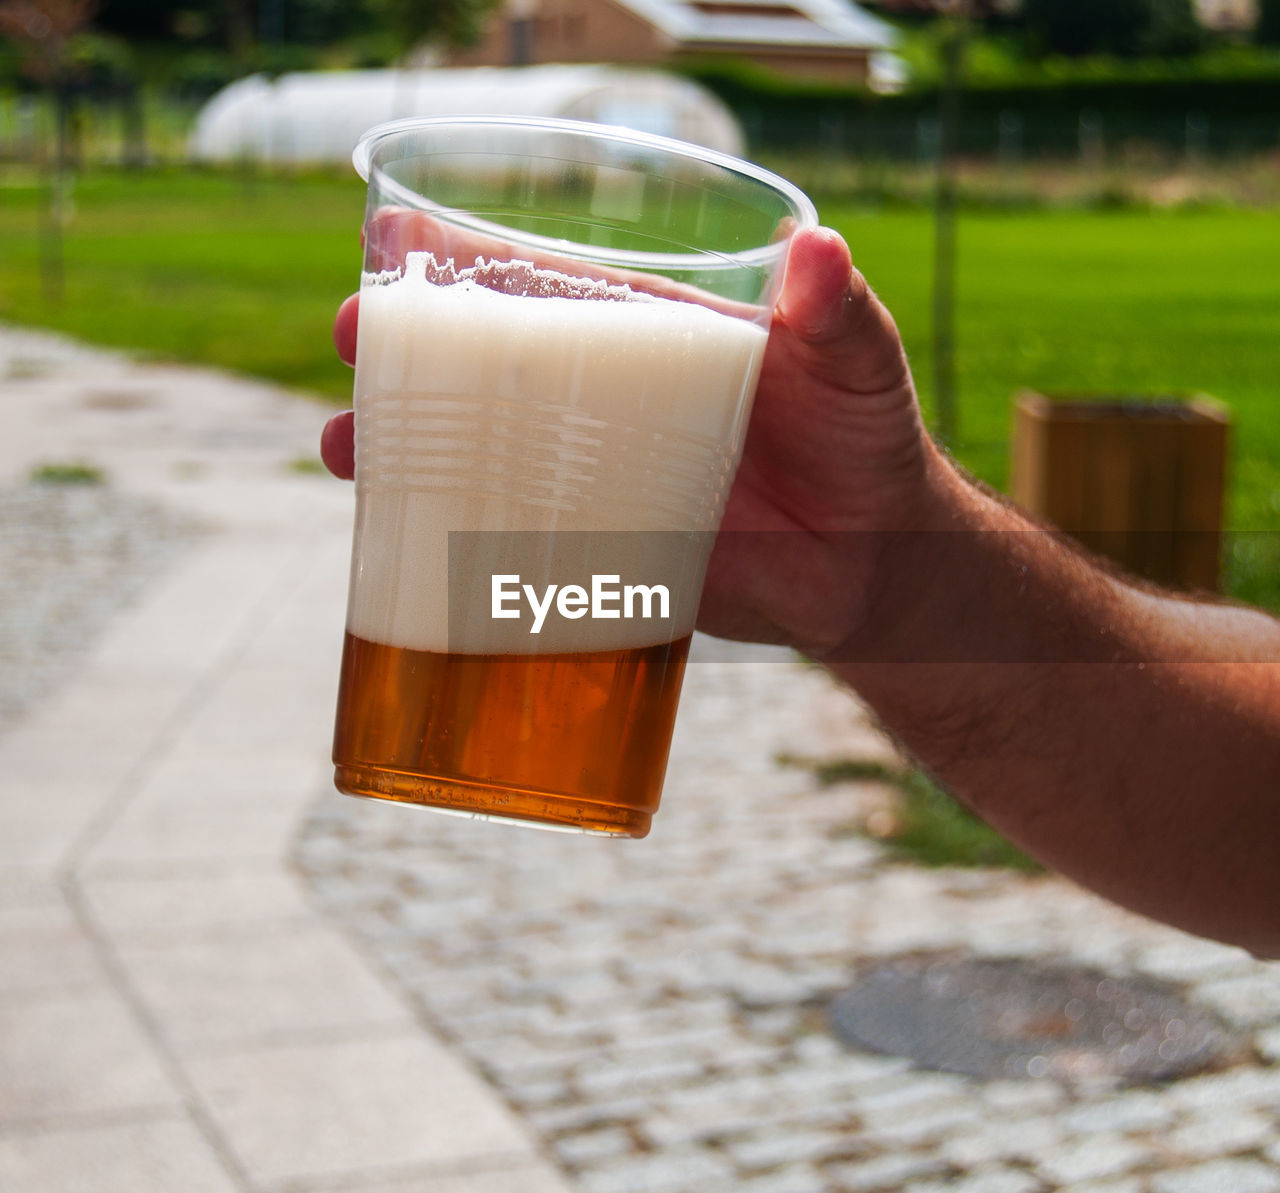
[[656, 1009], [71, 557]]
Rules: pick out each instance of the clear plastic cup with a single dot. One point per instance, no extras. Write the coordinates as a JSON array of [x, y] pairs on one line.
[[561, 327]]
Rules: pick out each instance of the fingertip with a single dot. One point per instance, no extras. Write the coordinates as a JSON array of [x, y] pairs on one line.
[[337, 445], [820, 275], [345, 324], [822, 248]]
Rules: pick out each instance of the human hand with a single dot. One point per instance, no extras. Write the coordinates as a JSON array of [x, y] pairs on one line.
[[836, 459]]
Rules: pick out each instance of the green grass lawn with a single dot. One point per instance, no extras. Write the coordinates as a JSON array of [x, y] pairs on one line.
[[240, 272], [1090, 302], [245, 273]]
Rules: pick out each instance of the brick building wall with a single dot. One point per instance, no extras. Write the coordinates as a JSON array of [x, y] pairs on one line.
[[566, 31], [525, 32]]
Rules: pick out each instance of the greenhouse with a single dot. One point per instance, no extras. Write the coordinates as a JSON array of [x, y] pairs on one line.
[[318, 116]]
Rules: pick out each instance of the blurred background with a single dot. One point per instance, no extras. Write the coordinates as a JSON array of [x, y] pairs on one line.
[[1072, 198]]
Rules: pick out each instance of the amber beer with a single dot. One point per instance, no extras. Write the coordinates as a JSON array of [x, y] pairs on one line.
[[495, 734], [575, 409]]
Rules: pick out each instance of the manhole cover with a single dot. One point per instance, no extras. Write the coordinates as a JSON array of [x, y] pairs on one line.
[[1010, 1019]]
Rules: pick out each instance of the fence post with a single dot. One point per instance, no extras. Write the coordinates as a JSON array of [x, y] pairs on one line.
[[1009, 139], [1092, 144], [1197, 138], [944, 227]]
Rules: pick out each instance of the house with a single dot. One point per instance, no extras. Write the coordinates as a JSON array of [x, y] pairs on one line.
[[832, 40], [1227, 16], [918, 8]]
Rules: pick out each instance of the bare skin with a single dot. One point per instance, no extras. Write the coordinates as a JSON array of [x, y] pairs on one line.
[[1129, 739]]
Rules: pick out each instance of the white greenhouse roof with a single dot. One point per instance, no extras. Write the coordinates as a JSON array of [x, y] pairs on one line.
[[319, 116]]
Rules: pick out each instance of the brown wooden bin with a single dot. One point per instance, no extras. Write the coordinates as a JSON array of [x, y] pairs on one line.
[[1139, 481]]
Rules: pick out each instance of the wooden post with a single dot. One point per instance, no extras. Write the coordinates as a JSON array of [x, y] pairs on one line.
[[944, 227], [1138, 481]]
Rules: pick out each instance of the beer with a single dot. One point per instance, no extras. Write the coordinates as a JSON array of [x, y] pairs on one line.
[[579, 740], [570, 406]]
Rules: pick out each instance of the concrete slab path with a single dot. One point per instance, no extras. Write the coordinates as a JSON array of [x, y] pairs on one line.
[[173, 1013]]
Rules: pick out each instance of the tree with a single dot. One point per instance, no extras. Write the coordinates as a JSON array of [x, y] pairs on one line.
[[1173, 28], [1267, 30], [455, 22], [44, 31], [152, 19], [1124, 27]]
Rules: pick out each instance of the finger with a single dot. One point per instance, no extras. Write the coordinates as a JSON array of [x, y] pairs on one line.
[[392, 232], [338, 447], [344, 329], [828, 306]]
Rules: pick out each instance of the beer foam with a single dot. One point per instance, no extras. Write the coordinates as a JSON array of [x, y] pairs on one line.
[[567, 405]]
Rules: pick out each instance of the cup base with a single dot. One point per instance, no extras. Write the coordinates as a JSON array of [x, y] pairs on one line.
[[534, 809]]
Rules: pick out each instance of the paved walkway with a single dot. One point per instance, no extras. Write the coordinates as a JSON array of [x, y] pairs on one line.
[[173, 1014], [219, 976]]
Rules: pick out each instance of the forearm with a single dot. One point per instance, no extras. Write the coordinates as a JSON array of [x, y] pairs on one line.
[[1130, 740]]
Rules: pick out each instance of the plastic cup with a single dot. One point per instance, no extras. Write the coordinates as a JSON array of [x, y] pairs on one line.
[[561, 327]]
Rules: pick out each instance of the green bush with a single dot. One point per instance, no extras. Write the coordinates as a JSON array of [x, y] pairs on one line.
[[1267, 31], [198, 74], [1125, 27], [1233, 94]]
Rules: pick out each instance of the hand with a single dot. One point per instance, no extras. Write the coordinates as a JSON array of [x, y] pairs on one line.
[[836, 457]]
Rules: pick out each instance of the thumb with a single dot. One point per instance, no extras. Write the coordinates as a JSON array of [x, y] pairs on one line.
[[827, 305]]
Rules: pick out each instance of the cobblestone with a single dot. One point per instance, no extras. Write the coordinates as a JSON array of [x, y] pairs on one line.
[[1127, 1112], [1023, 1097], [71, 557], [1268, 1045], [657, 1174], [884, 1173], [1092, 1159], [591, 1147], [778, 1148], [1003, 1180], [1022, 1139], [1221, 1134], [1249, 1000], [916, 1128], [1190, 960], [799, 1178], [1221, 1176], [1245, 1087], [1122, 1186]]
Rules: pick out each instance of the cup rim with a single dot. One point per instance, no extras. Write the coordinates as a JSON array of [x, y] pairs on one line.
[[803, 213]]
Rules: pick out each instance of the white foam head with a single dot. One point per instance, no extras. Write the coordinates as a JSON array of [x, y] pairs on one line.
[[587, 408]]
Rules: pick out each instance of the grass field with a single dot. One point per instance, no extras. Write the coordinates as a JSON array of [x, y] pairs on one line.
[[245, 273], [240, 272]]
